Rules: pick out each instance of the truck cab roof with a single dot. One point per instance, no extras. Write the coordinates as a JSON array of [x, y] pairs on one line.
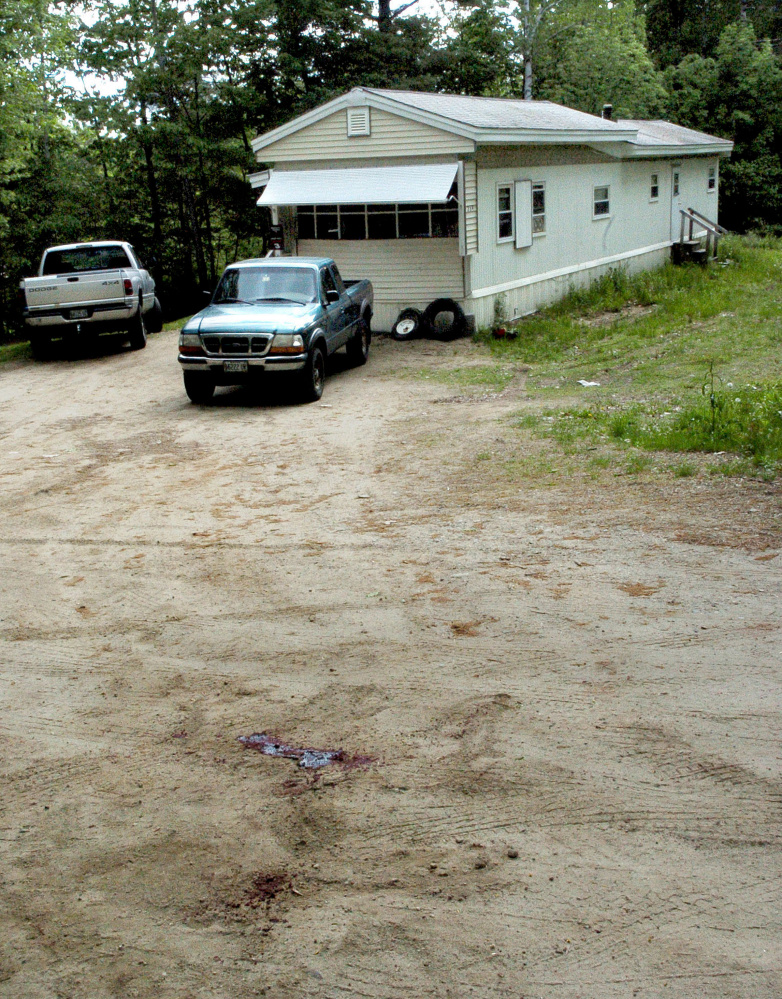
[[95, 243], [283, 262]]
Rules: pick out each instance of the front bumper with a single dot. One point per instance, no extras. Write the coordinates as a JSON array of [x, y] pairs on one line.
[[255, 365]]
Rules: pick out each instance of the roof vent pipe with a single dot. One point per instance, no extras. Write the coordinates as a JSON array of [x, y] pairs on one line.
[[608, 110]]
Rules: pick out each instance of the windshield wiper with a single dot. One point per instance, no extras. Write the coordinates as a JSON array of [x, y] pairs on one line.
[[279, 298], [231, 301]]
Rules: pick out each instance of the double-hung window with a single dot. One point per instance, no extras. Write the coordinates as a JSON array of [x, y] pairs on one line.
[[504, 212], [538, 209], [602, 202], [712, 179], [654, 187]]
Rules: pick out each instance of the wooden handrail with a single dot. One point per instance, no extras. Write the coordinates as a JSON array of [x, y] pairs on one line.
[[713, 230], [718, 229]]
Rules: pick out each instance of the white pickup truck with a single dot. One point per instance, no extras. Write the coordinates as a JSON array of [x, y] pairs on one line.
[[89, 288]]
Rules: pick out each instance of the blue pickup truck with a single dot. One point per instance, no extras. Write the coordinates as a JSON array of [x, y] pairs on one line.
[[275, 315]]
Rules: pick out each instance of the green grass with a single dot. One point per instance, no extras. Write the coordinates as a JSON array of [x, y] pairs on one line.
[[21, 350], [494, 377], [14, 351], [730, 312], [688, 359]]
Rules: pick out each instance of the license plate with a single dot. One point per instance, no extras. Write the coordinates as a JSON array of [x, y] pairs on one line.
[[235, 367], [79, 313]]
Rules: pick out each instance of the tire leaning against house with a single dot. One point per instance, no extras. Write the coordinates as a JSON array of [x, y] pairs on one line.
[[442, 306], [408, 325]]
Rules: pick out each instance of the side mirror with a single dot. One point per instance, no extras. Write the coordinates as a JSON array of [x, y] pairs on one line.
[[206, 296], [332, 295]]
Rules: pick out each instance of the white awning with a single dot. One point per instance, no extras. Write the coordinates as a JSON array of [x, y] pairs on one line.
[[360, 185]]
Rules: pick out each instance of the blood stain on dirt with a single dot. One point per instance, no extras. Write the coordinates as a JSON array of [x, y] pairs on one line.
[[308, 757]]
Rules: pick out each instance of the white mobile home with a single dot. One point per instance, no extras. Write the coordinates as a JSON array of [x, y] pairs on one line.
[[439, 196]]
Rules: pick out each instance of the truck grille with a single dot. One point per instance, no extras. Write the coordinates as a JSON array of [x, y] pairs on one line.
[[236, 345]]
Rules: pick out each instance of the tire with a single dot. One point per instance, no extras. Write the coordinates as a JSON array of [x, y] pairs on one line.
[[137, 334], [358, 344], [199, 387], [314, 376], [457, 327], [41, 347], [408, 325], [154, 318]]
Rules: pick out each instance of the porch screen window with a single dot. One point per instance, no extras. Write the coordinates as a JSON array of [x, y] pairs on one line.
[[654, 187], [504, 212], [712, 178], [602, 204], [380, 221], [538, 209]]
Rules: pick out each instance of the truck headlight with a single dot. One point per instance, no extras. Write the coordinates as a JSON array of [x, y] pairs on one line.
[[190, 343], [287, 343]]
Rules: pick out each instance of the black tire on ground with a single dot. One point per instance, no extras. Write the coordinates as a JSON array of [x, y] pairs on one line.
[[41, 347], [313, 376], [137, 333], [408, 325], [154, 318], [358, 344], [449, 331], [199, 387]]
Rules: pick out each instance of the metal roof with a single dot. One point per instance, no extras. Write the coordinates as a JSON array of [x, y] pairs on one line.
[[509, 121], [503, 113], [665, 133]]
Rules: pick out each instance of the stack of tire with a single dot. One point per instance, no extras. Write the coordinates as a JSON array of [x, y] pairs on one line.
[[432, 322]]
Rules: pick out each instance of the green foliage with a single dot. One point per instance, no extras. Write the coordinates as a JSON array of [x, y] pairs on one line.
[[594, 54], [737, 93]]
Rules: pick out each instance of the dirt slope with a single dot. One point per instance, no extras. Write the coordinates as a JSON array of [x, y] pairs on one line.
[[570, 698]]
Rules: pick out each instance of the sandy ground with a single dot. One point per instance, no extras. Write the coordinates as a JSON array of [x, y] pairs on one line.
[[569, 698]]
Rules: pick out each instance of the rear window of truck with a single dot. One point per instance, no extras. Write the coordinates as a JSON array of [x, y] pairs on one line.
[[85, 258]]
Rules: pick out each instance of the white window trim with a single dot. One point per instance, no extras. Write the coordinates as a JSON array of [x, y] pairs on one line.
[[709, 188], [511, 194], [607, 215], [652, 198], [539, 184]]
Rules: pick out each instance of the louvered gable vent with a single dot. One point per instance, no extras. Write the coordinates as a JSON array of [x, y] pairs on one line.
[[358, 121]]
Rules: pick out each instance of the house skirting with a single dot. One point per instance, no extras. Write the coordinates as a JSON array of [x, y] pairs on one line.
[[526, 295]]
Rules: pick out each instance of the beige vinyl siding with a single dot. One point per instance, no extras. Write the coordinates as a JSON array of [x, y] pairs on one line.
[[405, 273], [391, 136], [470, 207]]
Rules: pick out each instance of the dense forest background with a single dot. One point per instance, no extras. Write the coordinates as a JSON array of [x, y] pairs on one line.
[[132, 119]]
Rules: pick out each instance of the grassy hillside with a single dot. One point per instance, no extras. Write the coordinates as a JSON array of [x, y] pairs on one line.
[[688, 360]]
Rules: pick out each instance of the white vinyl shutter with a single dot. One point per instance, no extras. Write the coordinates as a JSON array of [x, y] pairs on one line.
[[523, 213]]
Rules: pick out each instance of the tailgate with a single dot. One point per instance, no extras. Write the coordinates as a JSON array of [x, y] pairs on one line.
[[88, 289]]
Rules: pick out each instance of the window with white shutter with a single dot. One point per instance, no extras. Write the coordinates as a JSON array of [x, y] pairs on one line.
[[523, 213]]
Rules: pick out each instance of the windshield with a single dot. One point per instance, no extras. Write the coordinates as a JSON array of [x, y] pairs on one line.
[[267, 284], [85, 258]]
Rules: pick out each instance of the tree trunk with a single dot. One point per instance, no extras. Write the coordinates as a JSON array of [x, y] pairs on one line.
[[527, 77], [154, 202], [384, 16]]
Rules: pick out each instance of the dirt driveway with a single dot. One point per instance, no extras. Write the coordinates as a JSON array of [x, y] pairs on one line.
[[559, 707]]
